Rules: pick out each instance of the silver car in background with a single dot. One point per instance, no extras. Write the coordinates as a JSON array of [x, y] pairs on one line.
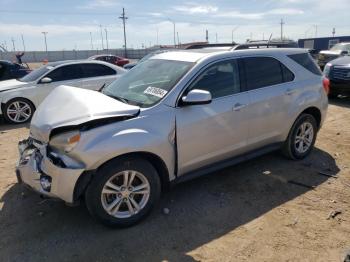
[[174, 117]]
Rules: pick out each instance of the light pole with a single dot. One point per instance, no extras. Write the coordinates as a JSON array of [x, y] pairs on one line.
[[106, 38], [101, 37], [92, 46], [233, 30], [24, 46], [45, 33], [174, 31], [13, 44]]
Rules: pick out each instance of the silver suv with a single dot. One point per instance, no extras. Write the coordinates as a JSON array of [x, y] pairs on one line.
[[175, 116]]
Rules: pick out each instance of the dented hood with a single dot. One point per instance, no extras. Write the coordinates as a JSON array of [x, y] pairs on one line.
[[71, 106]]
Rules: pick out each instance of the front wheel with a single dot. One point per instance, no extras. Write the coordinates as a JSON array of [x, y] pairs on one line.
[[301, 138], [18, 111], [123, 192]]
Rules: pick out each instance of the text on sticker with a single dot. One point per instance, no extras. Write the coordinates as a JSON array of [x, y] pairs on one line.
[[155, 91]]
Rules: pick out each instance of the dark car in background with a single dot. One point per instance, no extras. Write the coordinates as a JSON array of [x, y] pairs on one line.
[[112, 59], [337, 74], [325, 56], [9, 70]]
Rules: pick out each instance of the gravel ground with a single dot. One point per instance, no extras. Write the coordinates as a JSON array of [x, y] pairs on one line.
[[248, 212]]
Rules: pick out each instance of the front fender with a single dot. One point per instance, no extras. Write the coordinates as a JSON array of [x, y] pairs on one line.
[[140, 134], [23, 92]]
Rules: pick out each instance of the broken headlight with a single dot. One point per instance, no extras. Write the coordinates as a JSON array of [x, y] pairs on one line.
[[65, 141]]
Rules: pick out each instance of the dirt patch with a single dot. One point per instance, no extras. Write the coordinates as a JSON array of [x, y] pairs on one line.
[[249, 212]]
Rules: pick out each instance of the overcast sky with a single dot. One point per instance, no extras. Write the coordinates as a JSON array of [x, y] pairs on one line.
[[69, 22]]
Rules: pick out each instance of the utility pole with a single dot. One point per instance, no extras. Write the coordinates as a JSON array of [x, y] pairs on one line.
[[102, 37], [106, 38], [124, 18], [316, 27], [174, 31], [45, 33], [206, 36], [13, 44], [92, 45], [24, 46], [333, 32], [282, 24]]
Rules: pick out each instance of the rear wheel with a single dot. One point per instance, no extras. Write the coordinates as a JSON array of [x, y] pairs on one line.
[[301, 138], [123, 192], [18, 111]]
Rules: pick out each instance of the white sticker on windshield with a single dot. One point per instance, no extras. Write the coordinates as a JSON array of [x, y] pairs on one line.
[[155, 91]]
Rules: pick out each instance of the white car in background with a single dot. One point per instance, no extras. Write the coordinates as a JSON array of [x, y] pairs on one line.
[[20, 97]]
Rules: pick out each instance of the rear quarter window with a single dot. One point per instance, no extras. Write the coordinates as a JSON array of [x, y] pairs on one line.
[[306, 61]]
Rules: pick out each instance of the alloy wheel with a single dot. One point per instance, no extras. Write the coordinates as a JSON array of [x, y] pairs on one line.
[[125, 194], [304, 137], [19, 111]]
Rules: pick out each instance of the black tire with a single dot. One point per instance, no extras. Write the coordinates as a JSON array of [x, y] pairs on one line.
[[93, 193], [289, 147], [22, 101]]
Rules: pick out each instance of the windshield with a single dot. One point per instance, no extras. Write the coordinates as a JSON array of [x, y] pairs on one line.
[[36, 74], [149, 82], [340, 47]]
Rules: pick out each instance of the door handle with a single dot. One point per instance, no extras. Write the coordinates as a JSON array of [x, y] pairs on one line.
[[290, 91], [238, 106]]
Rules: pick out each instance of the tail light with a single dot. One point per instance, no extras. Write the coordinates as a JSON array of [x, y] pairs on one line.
[[326, 85]]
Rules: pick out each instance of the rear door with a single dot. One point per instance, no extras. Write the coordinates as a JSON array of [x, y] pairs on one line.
[[70, 75], [96, 75], [269, 85], [212, 132]]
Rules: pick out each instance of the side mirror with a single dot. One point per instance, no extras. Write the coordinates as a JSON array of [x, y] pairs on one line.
[[46, 80], [197, 97], [344, 52]]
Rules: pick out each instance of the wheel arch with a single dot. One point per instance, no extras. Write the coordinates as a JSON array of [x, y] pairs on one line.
[[315, 112], [157, 162], [3, 103]]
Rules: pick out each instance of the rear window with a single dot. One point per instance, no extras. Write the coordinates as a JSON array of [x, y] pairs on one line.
[[306, 61], [95, 70]]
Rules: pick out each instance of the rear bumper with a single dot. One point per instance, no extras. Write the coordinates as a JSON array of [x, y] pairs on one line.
[[34, 167]]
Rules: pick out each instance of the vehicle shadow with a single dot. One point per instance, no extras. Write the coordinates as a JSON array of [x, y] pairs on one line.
[[343, 101], [201, 211], [6, 127]]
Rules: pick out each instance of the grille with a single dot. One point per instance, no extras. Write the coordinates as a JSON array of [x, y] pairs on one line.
[[342, 73]]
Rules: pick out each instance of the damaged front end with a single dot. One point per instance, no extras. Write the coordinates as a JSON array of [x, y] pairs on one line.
[[48, 162], [46, 173]]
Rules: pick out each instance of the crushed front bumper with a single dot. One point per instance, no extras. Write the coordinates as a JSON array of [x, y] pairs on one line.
[[38, 171]]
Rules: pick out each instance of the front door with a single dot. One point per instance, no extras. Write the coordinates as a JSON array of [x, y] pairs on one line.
[[209, 133]]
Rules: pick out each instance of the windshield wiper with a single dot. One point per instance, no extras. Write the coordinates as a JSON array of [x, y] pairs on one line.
[[121, 99], [101, 88]]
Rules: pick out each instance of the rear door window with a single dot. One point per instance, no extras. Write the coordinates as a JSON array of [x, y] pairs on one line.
[[306, 61], [95, 70], [64, 73], [261, 72]]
